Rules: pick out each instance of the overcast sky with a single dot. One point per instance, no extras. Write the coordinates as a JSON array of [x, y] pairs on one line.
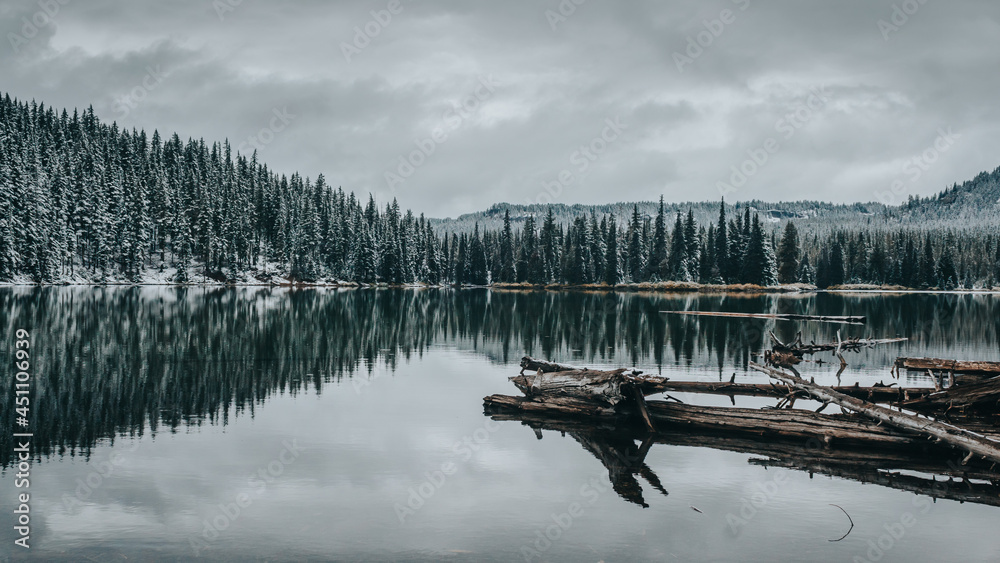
[[662, 98]]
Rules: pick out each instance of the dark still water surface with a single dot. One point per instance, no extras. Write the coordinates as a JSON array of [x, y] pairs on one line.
[[270, 424]]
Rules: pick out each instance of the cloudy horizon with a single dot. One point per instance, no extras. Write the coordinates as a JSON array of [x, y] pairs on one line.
[[453, 108]]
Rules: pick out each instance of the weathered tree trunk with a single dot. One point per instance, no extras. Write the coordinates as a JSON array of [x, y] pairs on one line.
[[955, 366], [877, 394], [957, 437], [531, 364], [799, 349], [603, 386], [758, 423], [980, 394]]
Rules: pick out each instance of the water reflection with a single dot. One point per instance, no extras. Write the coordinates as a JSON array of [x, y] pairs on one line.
[[129, 361], [623, 448]]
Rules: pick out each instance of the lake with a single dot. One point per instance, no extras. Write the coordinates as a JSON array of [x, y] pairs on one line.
[[274, 424]]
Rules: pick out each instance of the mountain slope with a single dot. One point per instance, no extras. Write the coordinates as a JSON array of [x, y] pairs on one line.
[[972, 204]]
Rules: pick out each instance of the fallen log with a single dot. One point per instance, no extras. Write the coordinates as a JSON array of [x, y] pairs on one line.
[[975, 444], [545, 366], [877, 394], [602, 386], [608, 387], [531, 364], [798, 348], [981, 394], [955, 366], [777, 316], [784, 424]]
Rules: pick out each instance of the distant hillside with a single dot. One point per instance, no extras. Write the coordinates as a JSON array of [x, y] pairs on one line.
[[974, 203]]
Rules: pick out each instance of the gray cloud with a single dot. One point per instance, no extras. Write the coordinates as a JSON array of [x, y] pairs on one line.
[[225, 75]]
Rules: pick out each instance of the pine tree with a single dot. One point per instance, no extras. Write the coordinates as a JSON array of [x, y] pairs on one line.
[[677, 261], [722, 243], [691, 245], [507, 268], [909, 265], [551, 255], [737, 247], [658, 254], [612, 269], [758, 263], [529, 247], [788, 255], [878, 264], [823, 271], [806, 273], [634, 254], [598, 248], [926, 274], [462, 269], [836, 273], [946, 274], [478, 270]]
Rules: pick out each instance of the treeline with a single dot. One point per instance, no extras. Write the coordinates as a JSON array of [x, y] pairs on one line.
[[738, 250], [589, 251], [81, 200]]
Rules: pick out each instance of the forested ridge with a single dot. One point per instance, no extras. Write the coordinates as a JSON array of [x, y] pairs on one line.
[[84, 201]]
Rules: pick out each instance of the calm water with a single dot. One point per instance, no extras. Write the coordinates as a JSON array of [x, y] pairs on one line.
[[267, 424]]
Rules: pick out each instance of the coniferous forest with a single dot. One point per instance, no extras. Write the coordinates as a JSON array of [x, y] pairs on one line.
[[84, 201]]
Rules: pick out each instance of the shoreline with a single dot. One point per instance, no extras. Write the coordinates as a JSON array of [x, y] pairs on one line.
[[645, 287]]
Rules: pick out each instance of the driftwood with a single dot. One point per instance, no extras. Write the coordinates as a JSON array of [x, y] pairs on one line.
[[954, 366], [798, 348], [535, 365], [975, 444], [877, 393], [603, 386], [981, 394], [788, 424], [531, 364], [777, 316], [872, 445]]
